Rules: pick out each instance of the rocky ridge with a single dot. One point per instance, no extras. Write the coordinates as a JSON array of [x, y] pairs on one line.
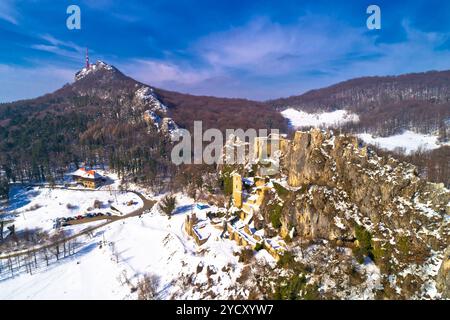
[[333, 189]]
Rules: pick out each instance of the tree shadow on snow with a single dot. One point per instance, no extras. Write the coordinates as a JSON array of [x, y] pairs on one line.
[[183, 209], [19, 197]]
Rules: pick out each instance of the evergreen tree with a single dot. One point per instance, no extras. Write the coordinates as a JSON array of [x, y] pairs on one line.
[[168, 204]]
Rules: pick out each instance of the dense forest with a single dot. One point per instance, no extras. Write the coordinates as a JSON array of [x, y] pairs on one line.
[[221, 113], [40, 147], [98, 120], [362, 94], [385, 105]]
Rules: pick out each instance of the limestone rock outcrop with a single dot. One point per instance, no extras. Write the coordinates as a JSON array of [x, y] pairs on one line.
[[333, 186], [443, 279]]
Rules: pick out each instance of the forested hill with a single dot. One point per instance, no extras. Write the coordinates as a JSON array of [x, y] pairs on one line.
[[99, 119], [385, 105], [221, 113]]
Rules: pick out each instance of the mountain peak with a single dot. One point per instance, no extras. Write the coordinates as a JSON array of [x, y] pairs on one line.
[[94, 68]]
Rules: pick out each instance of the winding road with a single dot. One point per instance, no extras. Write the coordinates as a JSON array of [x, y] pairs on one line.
[[147, 204]]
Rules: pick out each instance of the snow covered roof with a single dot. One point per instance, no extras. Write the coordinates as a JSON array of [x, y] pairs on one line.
[[275, 244], [201, 232], [87, 174], [248, 181]]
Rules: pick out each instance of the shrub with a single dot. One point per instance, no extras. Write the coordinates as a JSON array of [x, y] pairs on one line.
[[275, 216], [287, 260], [281, 191], [227, 180], [98, 204], [147, 288], [246, 255], [4, 188], [259, 246], [287, 238], [381, 255], [246, 273], [364, 247], [403, 245], [289, 289], [71, 206], [312, 292], [34, 207]]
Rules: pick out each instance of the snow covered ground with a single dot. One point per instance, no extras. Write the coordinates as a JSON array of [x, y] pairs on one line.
[[408, 140], [300, 119], [89, 274], [38, 207], [109, 263]]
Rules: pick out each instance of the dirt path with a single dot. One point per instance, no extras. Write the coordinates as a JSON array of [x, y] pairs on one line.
[[147, 205]]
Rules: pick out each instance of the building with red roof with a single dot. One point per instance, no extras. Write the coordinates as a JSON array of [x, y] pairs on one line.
[[88, 178]]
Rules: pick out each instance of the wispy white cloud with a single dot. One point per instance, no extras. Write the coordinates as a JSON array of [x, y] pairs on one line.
[[8, 11], [264, 47], [53, 45], [161, 73], [264, 59], [56, 42]]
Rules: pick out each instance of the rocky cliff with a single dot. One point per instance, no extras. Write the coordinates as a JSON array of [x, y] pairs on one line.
[[332, 188]]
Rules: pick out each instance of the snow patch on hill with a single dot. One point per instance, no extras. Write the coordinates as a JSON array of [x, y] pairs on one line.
[[147, 96], [300, 119], [99, 65], [408, 141]]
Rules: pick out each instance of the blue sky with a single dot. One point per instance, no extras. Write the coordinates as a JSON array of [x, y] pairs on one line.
[[252, 49]]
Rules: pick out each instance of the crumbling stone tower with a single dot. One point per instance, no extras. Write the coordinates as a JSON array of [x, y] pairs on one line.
[[237, 190]]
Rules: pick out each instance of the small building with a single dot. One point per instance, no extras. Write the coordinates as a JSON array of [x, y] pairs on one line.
[[194, 227], [88, 178], [201, 206]]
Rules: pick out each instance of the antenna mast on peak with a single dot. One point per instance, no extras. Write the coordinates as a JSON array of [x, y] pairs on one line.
[[87, 59]]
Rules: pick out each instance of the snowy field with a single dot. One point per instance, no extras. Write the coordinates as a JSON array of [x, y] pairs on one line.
[[298, 119], [38, 207], [111, 261], [408, 140], [89, 274]]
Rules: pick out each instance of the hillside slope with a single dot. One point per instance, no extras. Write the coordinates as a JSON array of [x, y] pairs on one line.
[[106, 117], [357, 224], [385, 105]]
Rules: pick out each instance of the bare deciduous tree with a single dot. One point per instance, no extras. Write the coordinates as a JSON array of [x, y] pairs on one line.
[[147, 287]]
